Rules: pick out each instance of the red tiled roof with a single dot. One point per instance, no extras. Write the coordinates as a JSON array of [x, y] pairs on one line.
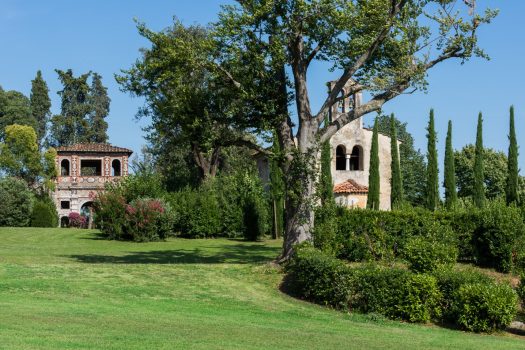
[[93, 147], [350, 186]]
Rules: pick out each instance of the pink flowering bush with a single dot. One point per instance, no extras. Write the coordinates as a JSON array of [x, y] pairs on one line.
[[110, 214], [76, 220], [148, 220]]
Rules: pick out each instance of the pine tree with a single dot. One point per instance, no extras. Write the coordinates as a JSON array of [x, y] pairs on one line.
[[479, 176], [432, 188], [396, 197], [511, 192], [450, 171], [40, 105], [373, 177], [99, 101], [277, 190]]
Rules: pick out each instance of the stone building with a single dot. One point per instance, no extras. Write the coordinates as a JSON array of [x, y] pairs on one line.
[[350, 147], [83, 170]]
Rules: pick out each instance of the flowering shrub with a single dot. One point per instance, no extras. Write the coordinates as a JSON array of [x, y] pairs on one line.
[[148, 220], [76, 220], [110, 214]]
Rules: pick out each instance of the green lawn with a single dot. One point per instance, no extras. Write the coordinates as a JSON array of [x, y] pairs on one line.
[[70, 289]]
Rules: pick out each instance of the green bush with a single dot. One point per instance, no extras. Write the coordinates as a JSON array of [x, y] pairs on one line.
[[16, 202], [44, 213], [396, 293], [449, 281], [521, 288], [148, 220], [485, 307], [110, 214], [430, 252], [324, 234]]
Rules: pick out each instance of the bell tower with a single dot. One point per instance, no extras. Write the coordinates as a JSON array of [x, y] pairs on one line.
[[346, 102]]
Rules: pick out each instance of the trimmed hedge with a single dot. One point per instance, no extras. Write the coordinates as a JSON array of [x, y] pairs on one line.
[[470, 300], [44, 213]]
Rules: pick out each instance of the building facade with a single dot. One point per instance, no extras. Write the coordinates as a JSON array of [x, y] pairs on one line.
[[83, 171]]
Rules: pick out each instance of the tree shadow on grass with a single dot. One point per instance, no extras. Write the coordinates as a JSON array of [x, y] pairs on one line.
[[231, 254]]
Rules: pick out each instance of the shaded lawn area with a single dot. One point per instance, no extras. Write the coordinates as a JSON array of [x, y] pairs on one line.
[[69, 289]]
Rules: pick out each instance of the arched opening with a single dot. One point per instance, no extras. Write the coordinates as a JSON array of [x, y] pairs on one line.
[[340, 158], [87, 211], [116, 168], [356, 158], [64, 221], [64, 167]]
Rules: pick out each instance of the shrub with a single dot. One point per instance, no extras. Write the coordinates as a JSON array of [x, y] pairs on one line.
[[498, 237], [428, 253], [76, 220], [16, 203], [324, 234], [521, 288], [44, 213], [449, 281], [148, 220], [396, 293], [485, 307], [110, 214]]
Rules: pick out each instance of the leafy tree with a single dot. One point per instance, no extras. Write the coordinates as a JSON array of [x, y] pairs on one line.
[[379, 46], [40, 105], [396, 197], [15, 108], [413, 167], [479, 176], [511, 192], [373, 199], [99, 102], [450, 171], [432, 187], [19, 155], [71, 125]]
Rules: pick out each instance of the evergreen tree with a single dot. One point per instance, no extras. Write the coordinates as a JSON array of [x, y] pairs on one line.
[[15, 108], [511, 192], [479, 176], [99, 101], [277, 190], [396, 196], [40, 105], [373, 177], [432, 188], [326, 186], [450, 171]]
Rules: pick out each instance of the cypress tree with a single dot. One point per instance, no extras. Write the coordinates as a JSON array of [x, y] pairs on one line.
[[277, 190], [40, 105], [451, 195], [396, 197], [326, 191], [511, 192], [479, 176], [373, 177], [100, 102], [432, 188]]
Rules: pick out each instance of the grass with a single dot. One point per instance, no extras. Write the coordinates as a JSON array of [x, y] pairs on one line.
[[71, 289]]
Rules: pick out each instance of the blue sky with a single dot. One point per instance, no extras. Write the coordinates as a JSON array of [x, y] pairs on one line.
[[101, 36]]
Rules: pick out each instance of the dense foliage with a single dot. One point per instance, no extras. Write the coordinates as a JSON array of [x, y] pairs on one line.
[[479, 167], [432, 184], [44, 213], [512, 190], [16, 203], [396, 182], [373, 199], [449, 182]]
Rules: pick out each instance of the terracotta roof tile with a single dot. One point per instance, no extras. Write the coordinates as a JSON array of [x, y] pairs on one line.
[[93, 147], [350, 186]]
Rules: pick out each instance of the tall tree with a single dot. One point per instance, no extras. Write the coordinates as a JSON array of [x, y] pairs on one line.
[[450, 171], [15, 108], [432, 187], [479, 173], [396, 196], [19, 155], [413, 167], [511, 192], [379, 46], [40, 105], [99, 101], [277, 190], [373, 199], [72, 125]]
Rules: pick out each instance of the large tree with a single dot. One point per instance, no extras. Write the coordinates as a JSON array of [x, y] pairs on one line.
[[479, 167], [19, 155], [385, 47], [15, 108], [40, 105], [432, 186], [413, 167], [450, 172], [396, 182], [99, 103]]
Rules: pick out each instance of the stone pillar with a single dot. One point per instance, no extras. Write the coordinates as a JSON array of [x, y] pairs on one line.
[[347, 167]]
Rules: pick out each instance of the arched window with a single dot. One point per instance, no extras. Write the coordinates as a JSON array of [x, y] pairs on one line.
[[340, 158], [356, 158], [64, 167], [115, 168], [64, 221]]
